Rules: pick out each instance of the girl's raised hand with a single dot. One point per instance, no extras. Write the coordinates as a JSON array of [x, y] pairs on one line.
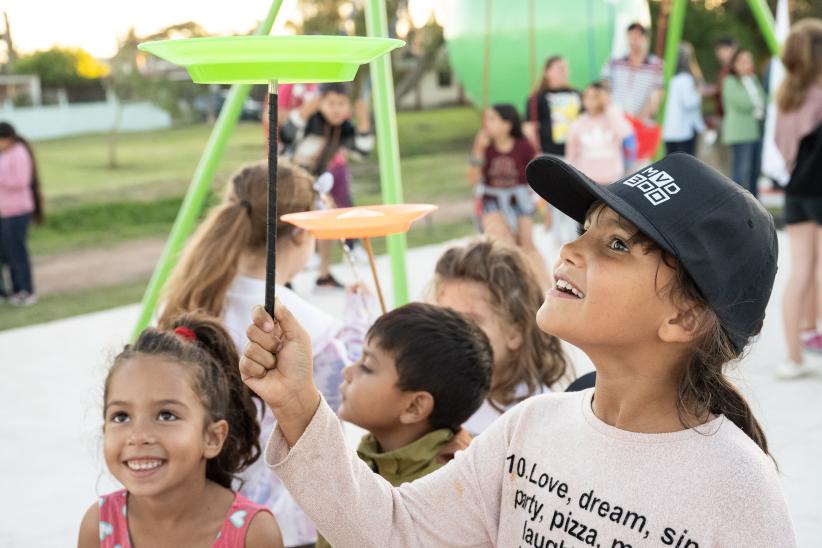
[[481, 141], [277, 365]]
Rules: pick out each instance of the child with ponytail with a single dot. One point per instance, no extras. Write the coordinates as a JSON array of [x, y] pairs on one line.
[[179, 425], [666, 286], [222, 271]]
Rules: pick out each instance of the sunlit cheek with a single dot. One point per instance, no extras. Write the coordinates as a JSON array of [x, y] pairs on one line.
[[546, 317], [111, 449]]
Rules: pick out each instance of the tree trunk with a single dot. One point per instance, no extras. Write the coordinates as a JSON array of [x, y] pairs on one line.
[[411, 79], [113, 134], [10, 51]]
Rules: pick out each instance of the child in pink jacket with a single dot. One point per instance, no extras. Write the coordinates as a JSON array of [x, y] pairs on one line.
[[19, 203], [595, 139]]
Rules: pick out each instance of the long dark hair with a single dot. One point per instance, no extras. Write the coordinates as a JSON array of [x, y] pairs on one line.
[[508, 113], [734, 57], [213, 360], [543, 84], [802, 57], [704, 388], [683, 61], [7, 131]]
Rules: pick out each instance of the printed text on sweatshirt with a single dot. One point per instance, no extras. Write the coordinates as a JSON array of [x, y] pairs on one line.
[[548, 473]]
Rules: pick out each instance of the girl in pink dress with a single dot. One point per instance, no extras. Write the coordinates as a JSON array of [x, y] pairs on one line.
[[178, 426], [594, 143]]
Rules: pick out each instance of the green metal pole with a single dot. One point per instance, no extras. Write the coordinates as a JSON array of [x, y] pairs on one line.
[[199, 187], [764, 18], [388, 148], [676, 21]]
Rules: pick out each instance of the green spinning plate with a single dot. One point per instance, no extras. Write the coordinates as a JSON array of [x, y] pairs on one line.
[[260, 59]]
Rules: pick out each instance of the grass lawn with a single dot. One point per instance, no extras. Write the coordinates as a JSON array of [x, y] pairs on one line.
[[89, 204], [64, 305], [96, 224], [159, 164]]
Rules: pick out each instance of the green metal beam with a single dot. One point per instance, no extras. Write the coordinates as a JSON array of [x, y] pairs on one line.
[[199, 187], [764, 18], [388, 148], [762, 14], [676, 21]]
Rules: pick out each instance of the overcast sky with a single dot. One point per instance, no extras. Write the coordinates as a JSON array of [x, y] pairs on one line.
[[95, 25]]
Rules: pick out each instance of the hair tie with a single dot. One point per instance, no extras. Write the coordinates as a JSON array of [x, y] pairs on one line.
[[185, 333], [245, 204]]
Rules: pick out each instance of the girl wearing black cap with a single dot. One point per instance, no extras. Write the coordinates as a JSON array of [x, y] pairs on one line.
[[666, 285], [20, 202]]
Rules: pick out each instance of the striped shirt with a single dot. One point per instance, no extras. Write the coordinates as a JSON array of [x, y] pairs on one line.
[[632, 86]]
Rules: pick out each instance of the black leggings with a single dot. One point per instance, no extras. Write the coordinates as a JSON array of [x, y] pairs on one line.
[[688, 146]]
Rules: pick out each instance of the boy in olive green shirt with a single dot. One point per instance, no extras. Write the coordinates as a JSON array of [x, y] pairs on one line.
[[424, 370]]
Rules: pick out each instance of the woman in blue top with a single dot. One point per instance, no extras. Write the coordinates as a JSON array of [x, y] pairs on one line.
[[683, 108]]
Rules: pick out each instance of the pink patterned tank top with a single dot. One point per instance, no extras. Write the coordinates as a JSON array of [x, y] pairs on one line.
[[114, 521]]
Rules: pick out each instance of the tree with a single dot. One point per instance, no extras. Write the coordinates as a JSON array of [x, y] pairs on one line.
[[348, 17], [61, 67], [427, 44], [708, 20], [127, 82], [11, 53]]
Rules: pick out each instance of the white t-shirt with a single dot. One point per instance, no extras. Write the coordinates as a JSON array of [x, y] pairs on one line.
[[245, 293], [334, 345], [549, 473], [487, 413]]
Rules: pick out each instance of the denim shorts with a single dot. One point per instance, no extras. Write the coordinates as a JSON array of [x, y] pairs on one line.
[[490, 204]]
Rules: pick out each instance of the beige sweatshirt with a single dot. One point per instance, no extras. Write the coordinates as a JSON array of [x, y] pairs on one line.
[[548, 473]]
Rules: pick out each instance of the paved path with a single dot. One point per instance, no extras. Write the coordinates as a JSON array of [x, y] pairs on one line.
[[132, 260], [50, 399], [96, 266]]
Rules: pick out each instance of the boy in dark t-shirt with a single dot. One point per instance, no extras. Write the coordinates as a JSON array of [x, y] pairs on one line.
[[552, 108], [314, 141], [318, 143]]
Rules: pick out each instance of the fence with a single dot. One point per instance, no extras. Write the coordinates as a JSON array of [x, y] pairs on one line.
[[66, 119]]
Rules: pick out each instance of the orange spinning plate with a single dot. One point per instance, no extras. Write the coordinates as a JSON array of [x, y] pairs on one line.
[[359, 222]]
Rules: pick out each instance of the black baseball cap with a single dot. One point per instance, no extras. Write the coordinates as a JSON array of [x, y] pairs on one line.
[[718, 231]]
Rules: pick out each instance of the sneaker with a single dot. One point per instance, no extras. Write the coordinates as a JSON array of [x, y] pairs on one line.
[[789, 369], [329, 282], [813, 343], [22, 299]]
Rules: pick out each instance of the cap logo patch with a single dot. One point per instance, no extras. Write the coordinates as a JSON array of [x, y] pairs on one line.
[[657, 185]]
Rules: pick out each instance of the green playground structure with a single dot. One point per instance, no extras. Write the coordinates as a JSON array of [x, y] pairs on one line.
[[517, 45], [762, 14], [246, 60]]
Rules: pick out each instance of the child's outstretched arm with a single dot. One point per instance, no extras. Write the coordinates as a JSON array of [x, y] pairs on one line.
[[277, 365], [459, 505]]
